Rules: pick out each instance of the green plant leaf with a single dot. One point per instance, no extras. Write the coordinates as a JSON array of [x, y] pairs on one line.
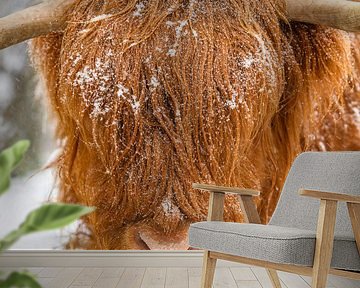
[[47, 217], [21, 280], [52, 216], [9, 159], [10, 239]]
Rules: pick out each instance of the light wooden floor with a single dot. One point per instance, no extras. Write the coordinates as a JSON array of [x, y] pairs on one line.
[[151, 277]]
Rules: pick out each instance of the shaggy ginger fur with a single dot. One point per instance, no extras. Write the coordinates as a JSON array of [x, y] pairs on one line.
[[154, 95]]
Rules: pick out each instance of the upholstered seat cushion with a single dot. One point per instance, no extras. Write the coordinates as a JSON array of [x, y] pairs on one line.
[[270, 243]]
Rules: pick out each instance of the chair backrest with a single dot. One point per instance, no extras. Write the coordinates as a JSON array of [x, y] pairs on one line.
[[325, 171]]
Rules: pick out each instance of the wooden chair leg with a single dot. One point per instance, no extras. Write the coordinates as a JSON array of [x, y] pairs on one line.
[[324, 243], [274, 278], [354, 212], [208, 272]]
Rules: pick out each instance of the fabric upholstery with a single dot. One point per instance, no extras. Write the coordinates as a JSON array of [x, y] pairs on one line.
[[270, 243], [290, 236], [325, 171]]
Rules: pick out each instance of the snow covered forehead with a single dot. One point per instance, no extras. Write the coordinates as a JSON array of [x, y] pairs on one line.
[[179, 32]]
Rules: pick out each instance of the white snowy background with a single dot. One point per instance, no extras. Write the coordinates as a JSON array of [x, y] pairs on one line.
[[23, 115]]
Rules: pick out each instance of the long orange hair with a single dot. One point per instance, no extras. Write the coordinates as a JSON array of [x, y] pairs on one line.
[[154, 95]]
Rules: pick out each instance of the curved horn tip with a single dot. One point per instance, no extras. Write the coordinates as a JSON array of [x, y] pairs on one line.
[[340, 14], [44, 18]]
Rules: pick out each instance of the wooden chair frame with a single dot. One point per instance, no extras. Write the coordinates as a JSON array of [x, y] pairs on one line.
[[324, 236]]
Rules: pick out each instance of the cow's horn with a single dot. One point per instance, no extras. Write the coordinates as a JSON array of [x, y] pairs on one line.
[[341, 14], [50, 16], [41, 19]]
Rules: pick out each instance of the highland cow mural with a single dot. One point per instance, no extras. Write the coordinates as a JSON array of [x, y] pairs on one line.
[[154, 95]]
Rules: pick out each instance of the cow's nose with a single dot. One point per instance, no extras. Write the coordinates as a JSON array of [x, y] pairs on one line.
[[159, 241]]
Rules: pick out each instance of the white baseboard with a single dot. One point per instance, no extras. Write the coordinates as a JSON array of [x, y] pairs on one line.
[[55, 258]]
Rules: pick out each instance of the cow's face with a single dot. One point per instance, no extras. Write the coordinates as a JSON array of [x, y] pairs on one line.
[[155, 95]]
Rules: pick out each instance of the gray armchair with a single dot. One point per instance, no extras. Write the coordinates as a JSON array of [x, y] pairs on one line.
[[302, 237]]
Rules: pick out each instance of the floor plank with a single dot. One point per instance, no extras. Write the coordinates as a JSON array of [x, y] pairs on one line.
[[154, 278], [87, 277], [248, 284], [263, 278], [50, 272], [308, 280], [339, 282], [106, 282], [65, 278], [293, 280], [35, 270], [243, 274], [224, 278], [177, 278], [110, 272], [44, 282], [194, 275], [132, 277]]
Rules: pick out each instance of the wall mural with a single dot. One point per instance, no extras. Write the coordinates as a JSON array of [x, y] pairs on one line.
[[151, 96]]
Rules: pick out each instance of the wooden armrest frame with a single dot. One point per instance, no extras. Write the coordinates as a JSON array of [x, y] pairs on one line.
[[224, 189], [330, 196], [217, 197]]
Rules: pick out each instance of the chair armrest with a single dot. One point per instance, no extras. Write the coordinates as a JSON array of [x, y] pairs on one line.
[[216, 202], [330, 196], [223, 189]]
